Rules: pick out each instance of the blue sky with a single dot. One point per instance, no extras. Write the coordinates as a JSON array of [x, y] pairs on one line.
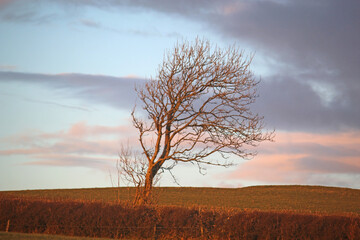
[[68, 71]]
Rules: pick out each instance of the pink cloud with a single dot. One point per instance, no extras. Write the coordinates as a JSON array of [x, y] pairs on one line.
[[301, 158], [78, 129], [81, 144], [348, 138], [294, 157], [82, 129], [268, 168], [21, 151]]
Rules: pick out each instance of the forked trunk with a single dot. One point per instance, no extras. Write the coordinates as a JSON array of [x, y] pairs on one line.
[[144, 194]]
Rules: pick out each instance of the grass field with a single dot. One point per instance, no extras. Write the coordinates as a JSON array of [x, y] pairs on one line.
[[310, 199]]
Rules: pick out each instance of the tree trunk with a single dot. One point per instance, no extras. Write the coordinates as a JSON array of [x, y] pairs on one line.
[[144, 194]]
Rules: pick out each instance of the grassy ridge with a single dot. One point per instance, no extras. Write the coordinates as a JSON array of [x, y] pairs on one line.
[[310, 199]]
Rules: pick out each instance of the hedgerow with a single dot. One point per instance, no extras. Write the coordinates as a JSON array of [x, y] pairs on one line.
[[98, 219]]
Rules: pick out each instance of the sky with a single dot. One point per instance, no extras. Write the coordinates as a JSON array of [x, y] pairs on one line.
[[68, 69]]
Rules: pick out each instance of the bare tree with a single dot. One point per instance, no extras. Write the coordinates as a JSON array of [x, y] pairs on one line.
[[198, 105]]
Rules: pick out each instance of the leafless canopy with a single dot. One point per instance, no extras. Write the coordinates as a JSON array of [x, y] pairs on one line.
[[198, 105]]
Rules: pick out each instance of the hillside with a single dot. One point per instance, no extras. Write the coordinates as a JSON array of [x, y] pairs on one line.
[[309, 199]]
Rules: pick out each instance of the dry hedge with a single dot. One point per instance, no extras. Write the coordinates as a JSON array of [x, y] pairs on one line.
[[97, 219]]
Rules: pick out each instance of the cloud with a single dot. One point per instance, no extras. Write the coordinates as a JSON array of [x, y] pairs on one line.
[[289, 104], [80, 145], [27, 17], [313, 84], [315, 41], [62, 160], [311, 35], [57, 104], [4, 3], [112, 91], [90, 23], [286, 103], [142, 33], [312, 44], [22, 11], [305, 158], [7, 67], [309, 49]]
